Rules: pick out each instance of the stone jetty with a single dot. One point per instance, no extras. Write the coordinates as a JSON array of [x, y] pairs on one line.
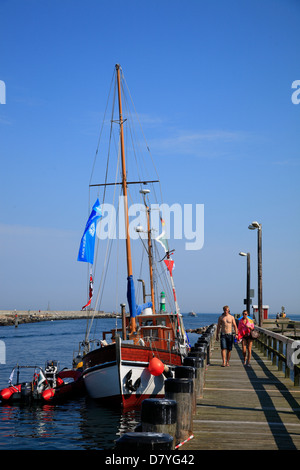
[[199, 331], [10, 317]]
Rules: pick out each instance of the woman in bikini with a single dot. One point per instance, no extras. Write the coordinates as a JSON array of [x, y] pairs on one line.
[[244, 335]]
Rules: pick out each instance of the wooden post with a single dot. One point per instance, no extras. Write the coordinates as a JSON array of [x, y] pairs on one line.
[[124, 335], [280, 356], [267, 347], [188, 372], [274, 359], [181, 391], [202, 342], [159, 415], [287, 371], [198, 365], [296, 376]]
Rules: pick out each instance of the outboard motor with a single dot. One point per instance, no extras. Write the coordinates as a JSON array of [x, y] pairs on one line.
[[26, 390], [50, 373]]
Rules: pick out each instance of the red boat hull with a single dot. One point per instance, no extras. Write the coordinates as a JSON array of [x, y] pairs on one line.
[[62, 391]]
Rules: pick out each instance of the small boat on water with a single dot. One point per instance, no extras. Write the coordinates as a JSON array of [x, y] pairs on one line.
[[132, 363], [48, 385], [192, 314]]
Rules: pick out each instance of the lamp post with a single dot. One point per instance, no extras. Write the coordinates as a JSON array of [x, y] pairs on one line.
[[255, 225], [248, 280]]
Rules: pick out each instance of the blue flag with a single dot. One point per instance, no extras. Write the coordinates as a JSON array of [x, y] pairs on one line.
[[87, 244], [131, 296]]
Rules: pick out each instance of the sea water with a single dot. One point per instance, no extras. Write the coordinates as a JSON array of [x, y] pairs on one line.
[[75, 424]]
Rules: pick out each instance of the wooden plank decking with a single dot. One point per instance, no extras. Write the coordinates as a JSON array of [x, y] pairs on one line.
[[246, 408]]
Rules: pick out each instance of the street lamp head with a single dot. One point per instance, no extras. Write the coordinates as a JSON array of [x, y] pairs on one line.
[[242, 253], [254, 225]]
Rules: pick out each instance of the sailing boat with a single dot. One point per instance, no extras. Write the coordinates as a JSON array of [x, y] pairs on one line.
[[134, 363]]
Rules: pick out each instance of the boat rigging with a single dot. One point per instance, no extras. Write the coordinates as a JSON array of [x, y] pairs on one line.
[[122, 369]]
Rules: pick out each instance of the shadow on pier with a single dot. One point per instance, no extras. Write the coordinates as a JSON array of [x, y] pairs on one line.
[[246, 408]]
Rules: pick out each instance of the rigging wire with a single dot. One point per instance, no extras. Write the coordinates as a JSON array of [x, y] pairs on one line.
[[146, 143], [135, 154], [90, 268], [107, 254], [102, 126]]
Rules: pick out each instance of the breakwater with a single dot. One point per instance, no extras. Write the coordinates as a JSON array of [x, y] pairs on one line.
[[13, 317]]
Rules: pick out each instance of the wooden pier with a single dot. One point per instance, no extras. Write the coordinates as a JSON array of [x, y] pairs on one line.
[[246, 408]]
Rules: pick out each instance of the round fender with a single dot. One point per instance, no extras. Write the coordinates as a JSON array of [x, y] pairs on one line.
[[156, 367], [48, 394]]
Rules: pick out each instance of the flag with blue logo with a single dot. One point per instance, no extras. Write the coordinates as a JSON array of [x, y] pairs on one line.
[[87, 244]]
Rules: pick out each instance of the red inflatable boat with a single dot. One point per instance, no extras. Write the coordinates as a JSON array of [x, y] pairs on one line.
[[47, 385]]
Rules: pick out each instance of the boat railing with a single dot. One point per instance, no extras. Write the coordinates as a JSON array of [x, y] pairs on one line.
[[154, 336], [91, 344], [113, 334], [84, 348], [155, 342], [18, 369]]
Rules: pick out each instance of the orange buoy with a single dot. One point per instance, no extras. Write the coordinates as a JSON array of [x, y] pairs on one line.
[[156, 367]]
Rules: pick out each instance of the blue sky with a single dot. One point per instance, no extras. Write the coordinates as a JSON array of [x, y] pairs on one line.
[[212, 81]]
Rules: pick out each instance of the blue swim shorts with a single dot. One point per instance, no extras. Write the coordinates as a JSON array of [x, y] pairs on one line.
[[226, 341]]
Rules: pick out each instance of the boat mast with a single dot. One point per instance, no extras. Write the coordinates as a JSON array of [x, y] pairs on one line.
[[144, 192], [124, 184], [150, 259]]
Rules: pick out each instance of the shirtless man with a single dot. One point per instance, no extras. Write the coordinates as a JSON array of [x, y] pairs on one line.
[[225, 324]]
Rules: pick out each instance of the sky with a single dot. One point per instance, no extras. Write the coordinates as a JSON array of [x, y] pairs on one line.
[[213, 83]]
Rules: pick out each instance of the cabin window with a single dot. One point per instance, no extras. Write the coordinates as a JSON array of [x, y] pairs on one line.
[[150, 333], [147, 322]]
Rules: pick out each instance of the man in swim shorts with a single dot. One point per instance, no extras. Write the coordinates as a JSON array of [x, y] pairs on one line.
[[225, 323]]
